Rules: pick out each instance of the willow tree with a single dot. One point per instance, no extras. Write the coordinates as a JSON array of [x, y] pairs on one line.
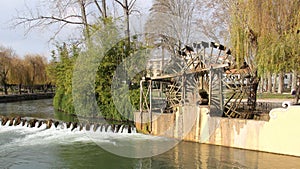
[[277, 48], [262, 33], [244, 31], [6, 56], [18, 73], [36, 70]]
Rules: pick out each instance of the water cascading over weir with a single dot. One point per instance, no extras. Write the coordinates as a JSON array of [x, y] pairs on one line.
[[72, 126]]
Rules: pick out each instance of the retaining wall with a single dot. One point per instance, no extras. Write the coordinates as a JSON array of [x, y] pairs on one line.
[[281, 134], [22, 97]]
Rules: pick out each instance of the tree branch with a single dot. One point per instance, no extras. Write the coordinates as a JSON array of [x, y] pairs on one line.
[[131, 4], [56, 19], [99, 8], [123, 6]]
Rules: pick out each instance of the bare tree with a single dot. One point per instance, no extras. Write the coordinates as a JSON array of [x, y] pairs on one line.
[[128, 9], [62, 13], [172, 19], [213, 19]]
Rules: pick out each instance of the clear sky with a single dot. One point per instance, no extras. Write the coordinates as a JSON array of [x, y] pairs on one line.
[[36, 41]]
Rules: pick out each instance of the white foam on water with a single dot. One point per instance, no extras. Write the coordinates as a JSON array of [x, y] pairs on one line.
[[121, 129], [63, 134], [121, 143]]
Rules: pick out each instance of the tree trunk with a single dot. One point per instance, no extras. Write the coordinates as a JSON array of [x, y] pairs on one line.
[[269, 87], [280, 83], [84, 19], [104, 8], [31, 89], [274, 83], [262, 83], [126, 12], [297, 95], [5, 89], [290, 81], [294, 81], [20, 88]]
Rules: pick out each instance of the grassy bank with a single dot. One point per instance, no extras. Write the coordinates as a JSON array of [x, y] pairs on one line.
[[274, 96]]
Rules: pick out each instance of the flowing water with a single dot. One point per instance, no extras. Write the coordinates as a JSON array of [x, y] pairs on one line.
[[24, 147]]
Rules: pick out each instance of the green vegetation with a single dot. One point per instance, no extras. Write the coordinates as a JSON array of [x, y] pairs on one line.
[[61, 70], [274, 96], [84, 78], [266, 35]]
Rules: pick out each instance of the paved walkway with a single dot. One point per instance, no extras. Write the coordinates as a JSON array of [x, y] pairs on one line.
[[274, 100]]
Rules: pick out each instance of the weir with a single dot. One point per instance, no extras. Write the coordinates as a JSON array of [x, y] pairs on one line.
[[72, 126]]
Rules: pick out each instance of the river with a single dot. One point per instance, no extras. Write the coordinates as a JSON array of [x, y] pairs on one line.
[[23, 147]]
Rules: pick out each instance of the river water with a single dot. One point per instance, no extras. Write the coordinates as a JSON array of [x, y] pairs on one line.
[[23, 147]]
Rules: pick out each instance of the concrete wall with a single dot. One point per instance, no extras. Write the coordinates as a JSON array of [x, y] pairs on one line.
[[22, 97], [281, 134]]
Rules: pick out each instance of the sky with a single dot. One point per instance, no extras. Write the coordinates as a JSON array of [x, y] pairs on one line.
[[37, 40], [34, 42]]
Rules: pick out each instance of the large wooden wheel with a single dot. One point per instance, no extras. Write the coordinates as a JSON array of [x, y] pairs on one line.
[[206, 74], [192, 72]]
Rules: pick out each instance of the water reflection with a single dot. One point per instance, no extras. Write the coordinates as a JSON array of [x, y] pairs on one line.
[[194, 155], [65, 117], [89, 155], [34, 108], [185, 155]]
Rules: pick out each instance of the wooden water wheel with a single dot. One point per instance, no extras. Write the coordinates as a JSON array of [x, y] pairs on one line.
[[207, 72]]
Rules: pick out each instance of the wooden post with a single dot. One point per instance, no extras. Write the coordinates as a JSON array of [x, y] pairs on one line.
[[141, 102], [210, 85], [297, 92], [221, 91], [161, 69], [150, 109], [183, 89]]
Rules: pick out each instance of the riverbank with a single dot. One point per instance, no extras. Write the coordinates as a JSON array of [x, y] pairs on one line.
[[23, 97]]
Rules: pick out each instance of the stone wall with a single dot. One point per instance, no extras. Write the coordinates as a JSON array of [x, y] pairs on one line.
[[281, 134], [22, 97]]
